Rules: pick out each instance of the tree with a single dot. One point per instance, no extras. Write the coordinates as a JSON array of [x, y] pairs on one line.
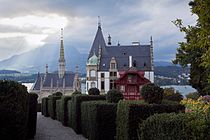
[[172, 94], [196, 50]]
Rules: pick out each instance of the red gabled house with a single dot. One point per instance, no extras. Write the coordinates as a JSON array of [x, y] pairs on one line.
[[130, 83]]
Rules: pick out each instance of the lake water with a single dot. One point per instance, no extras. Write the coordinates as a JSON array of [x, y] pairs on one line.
[[183, 89], [28, 85]]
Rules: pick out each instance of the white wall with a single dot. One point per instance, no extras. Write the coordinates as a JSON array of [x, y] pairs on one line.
[[149, 75], [106, 80]]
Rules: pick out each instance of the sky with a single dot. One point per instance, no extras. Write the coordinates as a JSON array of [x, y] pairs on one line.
[[29, 24]]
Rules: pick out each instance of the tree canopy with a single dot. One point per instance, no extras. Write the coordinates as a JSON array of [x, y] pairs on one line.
[[195, 51]]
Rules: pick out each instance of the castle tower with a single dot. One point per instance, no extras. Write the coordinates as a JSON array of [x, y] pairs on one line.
[[61, 70]]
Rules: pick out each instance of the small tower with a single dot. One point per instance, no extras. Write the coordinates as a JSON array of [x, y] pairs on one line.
[[109, 40], [91, 68], [61, 70]]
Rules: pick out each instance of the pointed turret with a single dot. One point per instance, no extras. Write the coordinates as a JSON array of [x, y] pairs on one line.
[[98, 41], [61, 71]]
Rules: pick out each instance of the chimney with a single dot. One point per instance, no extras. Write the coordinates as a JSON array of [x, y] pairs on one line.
[[109, 40], [130, 61]]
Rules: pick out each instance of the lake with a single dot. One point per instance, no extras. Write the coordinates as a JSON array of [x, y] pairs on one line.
[[183, 89], [28, 85]]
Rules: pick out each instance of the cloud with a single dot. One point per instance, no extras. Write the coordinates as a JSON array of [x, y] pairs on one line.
[[126, 21]]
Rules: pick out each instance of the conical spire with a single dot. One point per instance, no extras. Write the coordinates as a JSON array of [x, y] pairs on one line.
[[62, 64], [98, 41], [61, 47]]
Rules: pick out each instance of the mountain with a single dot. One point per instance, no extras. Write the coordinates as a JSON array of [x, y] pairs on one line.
[[163, 63], [35, 60], [9, 72]]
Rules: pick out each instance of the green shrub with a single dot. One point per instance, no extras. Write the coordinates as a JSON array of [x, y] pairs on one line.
[[76, 92], [193, 95], [171, 94], [173, 126], [52, 106], [98, 120], [45, 105], [114, 96], [32, 116], [93, 91], [64, 109], [39, 108], [57, 94], [152, 93], [69, 108], [132, 113], [13, 110], [58, 110], [76, 109]]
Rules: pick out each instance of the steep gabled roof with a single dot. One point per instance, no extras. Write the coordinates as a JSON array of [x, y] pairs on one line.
[[37, 83], [98, 41], [140, 55]]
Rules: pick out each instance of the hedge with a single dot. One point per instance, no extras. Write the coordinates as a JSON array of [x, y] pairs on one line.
[[64, 110], [58, 110], [13, 111], [52, 106], [76, 109], [32, 116], [132, 113], [98, 120], [69, 108], [39, 108], [188, 126], [45, 106]]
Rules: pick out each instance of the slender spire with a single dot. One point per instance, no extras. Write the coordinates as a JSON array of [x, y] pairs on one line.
[[46, 68], [62, 64], [99, 22], [151, 42]]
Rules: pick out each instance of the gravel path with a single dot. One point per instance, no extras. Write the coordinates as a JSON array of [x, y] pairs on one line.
[[48, 129]]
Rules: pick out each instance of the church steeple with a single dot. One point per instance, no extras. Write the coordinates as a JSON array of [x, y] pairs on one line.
[[62, 64]]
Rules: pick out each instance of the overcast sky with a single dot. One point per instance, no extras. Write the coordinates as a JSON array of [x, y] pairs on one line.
[[28, 24]]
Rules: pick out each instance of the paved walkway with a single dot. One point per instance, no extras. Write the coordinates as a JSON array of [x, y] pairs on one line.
[[48, 129]]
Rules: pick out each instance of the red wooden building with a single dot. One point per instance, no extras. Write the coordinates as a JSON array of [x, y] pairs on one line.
[[130, 83]]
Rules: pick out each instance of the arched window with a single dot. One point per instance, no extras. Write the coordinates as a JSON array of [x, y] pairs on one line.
[[92, 73], [93, 85]]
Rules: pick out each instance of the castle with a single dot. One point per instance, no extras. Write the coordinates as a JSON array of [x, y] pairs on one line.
[[58, 81], [123, 67]]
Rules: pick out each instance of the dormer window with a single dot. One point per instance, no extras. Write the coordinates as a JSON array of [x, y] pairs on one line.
[[113, 64]]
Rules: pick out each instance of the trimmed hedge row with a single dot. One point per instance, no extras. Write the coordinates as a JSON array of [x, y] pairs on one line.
[[188, 126], [64, 110], [39, 107], [45, 107], [52, 106], [69, 108], [32, 115], [76, 109], [132, 113], [58, 110], [13, 111], [98, 120]]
